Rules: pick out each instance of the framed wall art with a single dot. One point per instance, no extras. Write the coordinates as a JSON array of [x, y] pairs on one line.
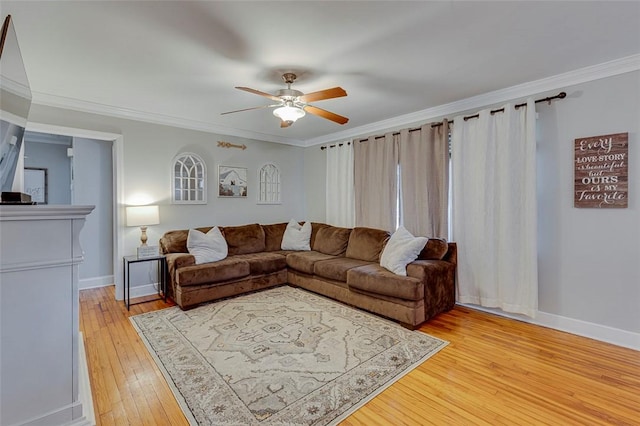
[[36, 185], [232, 181]]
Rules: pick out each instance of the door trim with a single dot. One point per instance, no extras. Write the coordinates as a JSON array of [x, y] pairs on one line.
[[118, 187]]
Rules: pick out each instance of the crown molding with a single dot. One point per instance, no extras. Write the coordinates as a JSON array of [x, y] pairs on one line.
[[71, 131], [582, 75], [14, 87], [45, 99]]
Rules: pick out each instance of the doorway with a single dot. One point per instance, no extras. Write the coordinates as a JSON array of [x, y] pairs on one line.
[[80, 171]]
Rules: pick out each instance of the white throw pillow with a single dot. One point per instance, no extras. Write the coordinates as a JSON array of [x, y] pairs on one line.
[[296, 237], [401, 249], [209, 247]]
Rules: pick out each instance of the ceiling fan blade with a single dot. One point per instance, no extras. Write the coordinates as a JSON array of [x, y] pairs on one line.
[[285, 123], [326, 114], [248, 109], [334, 92], [257, 92]]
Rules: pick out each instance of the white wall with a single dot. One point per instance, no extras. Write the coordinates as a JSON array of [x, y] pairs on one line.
[[92, 185], [589, 259]]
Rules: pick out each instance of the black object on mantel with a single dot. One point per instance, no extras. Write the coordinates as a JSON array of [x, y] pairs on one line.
[[16, 198]]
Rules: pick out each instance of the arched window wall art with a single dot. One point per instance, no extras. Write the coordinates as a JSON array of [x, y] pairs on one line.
[[269, 185], [188, 179]]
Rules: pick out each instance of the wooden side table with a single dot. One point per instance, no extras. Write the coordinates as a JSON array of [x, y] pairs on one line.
[[162, 277]]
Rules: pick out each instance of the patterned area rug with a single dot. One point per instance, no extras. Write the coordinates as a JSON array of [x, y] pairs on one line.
[[279, 357]]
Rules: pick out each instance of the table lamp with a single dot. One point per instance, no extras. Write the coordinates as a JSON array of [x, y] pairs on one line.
[[143, 216]]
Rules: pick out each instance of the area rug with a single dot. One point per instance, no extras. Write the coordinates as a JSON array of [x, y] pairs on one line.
[[282, 356]]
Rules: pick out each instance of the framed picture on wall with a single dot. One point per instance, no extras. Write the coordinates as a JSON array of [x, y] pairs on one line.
[[35, 184], [232, 181]]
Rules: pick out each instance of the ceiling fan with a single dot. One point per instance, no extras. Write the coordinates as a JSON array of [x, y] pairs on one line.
[[293, 104]]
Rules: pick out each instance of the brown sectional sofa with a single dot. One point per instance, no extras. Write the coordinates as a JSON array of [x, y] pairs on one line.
[[343, 265]]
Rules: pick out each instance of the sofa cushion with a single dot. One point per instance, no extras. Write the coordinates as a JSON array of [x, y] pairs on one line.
[[332, 240], [176, 241], [264, 263], [315, 227], [336, 269], [244, 239], [273, 236], [214, 272], [303, 261], [435, 249], [375, 279], [366, 244]]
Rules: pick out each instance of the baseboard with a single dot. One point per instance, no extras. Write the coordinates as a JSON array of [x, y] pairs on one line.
[[616, 336], [95, 282], [603, 333], [144, 290], [84, 385]]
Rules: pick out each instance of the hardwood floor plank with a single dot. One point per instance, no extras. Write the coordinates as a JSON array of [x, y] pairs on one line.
[[494, 371]]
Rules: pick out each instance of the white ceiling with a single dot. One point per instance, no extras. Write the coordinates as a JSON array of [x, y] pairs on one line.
[[181, 59]]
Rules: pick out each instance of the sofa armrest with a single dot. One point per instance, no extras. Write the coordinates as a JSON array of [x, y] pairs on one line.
[[179, 260], [439, 281], [175, 261], [452, 254], [428, 270]]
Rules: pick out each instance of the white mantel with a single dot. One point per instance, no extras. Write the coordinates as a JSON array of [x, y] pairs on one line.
[[39, 321]]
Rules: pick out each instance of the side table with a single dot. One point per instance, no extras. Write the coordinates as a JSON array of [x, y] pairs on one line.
[[162, 277]]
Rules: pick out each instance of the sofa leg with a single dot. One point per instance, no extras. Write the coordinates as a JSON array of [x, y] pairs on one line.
[[409, 326]]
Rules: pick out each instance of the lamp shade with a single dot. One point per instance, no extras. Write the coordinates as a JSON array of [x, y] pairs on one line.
[[289, 113], [143, 215]]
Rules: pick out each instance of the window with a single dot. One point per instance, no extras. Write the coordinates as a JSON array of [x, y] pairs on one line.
[[189, 180], [269, 180]]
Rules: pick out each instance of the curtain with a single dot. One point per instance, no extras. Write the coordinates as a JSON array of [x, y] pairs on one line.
[[494, 209], [340, 203], [424, 179], [376, 182]]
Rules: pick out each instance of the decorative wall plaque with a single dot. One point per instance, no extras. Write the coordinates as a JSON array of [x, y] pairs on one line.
[[601, 177]]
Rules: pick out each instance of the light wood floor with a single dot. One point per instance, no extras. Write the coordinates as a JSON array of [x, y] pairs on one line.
[[494, 371]]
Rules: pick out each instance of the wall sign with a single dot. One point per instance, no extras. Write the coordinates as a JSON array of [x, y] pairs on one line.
[[601, 177]]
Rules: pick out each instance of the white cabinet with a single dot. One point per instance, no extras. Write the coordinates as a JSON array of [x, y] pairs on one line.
[[39, 328]]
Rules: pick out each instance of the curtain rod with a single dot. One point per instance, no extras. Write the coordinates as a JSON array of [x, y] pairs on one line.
[[334, 145], [548, 99]]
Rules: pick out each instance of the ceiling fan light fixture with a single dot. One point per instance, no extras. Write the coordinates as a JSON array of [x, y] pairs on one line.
[[289, 113], [292, 104]]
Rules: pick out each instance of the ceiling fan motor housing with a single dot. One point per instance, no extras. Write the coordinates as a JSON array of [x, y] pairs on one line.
[[288, 94], [289, 77]]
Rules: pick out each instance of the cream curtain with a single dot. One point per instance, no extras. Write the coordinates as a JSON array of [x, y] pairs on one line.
[[424, 178], [376, 182], [494, 209], [340, 202]]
